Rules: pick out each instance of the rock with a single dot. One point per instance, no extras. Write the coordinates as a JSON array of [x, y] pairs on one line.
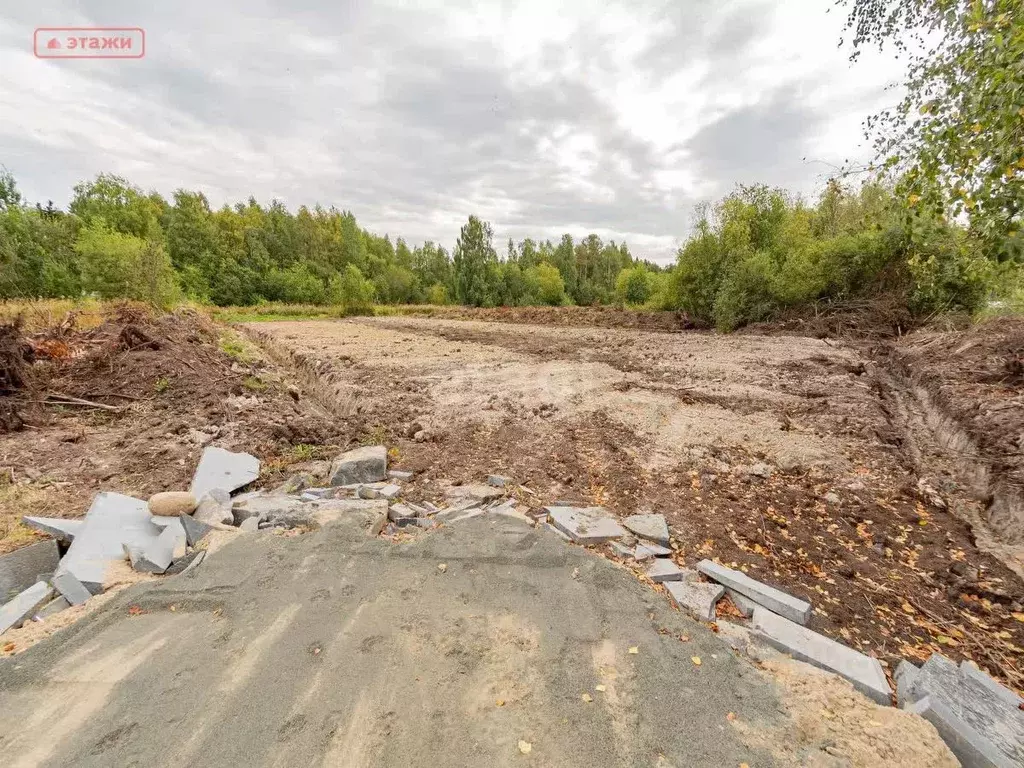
[[172, 503], [697, 597], [62, 530], [195, 530], [23, 567], [773, 599], [112, 521], [399, 474], [366, 492], [24, 605], [664, 570], [831, 498], [586, 525], [498, 481], [215, 508], [389, 491], [802, 644], [422, 436], [648, 550], [158, 556], [760, 470], [225, 470], [362, 465], [398, 513], [250, 524], [294, 484], [620, 549], [650, 527]]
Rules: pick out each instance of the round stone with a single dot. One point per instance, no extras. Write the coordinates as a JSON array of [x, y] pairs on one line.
[[172, 503]]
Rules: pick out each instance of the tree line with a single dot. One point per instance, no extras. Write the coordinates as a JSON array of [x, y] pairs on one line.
[[117, 241]]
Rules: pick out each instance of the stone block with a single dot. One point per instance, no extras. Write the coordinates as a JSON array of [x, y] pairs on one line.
[[906, 674], [157, 556], [390, 491], [864, 672], [620, 549], [697, 597], [362, 465], [195, 530], [23, 567], [225, 470], [972, 748], [71, 588], [773, 599], [24, 605], [744, 605], [970, 670], [112, 521], [585, 525], [401, 512], [172, 503], [53, 607], [664, 570], [650, 550], [63, 531], [215, 508], [650, 527]]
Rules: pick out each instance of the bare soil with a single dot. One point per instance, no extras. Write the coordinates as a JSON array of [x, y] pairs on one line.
[[780, 455]]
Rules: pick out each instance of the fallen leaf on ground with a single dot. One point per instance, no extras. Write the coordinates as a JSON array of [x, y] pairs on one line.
[[634, 650], [442, 567], [731, 716], [499, 702], [695, 660], [525, 747], [587, 697], [135, 610], [600, 688], [8, 647]]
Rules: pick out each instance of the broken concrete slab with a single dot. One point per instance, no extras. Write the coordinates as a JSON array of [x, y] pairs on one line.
[[23, 567], [650, 527], [560, 534], [215, 508], [24, 605], [585, 525], [200, 555], [158, 555], [181, 564], [390, 491], [63, 531], [697, 597], [978, 718], [268, 507], [400, 512], [71, 588], [477, 492], [195, 530], [225, 470], [620, 549], [864, 672], [744, 605], [112, 521], [53, 607], [664, 570], [250, 525], [773, 599], [361, 465], [649, 550], [905, 675]]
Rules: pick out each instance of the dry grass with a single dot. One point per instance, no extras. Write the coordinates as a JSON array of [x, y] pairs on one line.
[[40, 314]]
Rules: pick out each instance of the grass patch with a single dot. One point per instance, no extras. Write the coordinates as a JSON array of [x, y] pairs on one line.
[[255, 384], [40, 314], [238, 348], [271, 311]]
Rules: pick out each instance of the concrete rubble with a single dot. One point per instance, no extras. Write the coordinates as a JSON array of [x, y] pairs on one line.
[[26, 603], [23, 567], [979, 719], [361, 465], [773, 599], [650, 527], [585, 525]]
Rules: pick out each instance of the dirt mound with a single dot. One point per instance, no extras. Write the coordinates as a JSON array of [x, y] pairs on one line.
[[878, 318], [599, 317]]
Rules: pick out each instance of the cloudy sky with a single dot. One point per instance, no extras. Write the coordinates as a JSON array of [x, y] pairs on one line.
[[542, 117]]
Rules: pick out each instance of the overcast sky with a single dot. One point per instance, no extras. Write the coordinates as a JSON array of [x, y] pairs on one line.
[[542, 117]]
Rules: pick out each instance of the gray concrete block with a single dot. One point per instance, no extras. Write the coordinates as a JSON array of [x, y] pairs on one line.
[[181, 564], [498, 481], [53, 607], [398, 512], [697, 597], [250, 525], [864, 672], [366, 492], [743, 605], [63, 531], [906, 673], [195, 530], [390, 491], [664, 570], [267, 507], [649, 550], [158, 555], [620, 549], [971, 708], [215, 508], [225, 470], [773, 599], [24, 605], [361, 465], [71, 588], [972, 748], [23, 567], [970, 670], [585, 525], [400, 474], [650, 527], [112, 521]]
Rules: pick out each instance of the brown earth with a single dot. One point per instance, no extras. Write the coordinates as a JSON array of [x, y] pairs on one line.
[[674, 423], [810, 463]]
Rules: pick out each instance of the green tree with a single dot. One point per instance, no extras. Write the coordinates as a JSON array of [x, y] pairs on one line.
[[634, 285], [546, 284], [118, 265], [122, 206], [473, 255], [955, 143]]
